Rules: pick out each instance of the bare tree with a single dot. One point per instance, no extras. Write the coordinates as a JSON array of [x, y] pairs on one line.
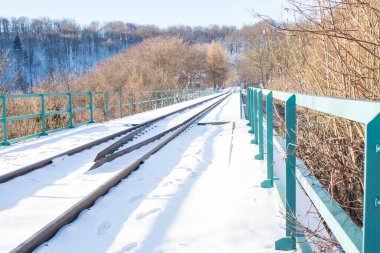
[[333, 49], [216, 65], [3, 68]]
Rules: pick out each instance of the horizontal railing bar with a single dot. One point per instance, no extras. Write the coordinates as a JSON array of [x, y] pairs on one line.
[[104, 107], [57, 129], [10, 96], [82, 123], [61, 94], [283, 96], [30, 116], [344, 229], [351, 109], [348, 234], [81, 108], [23, 138], [54, 94], [154, 98], [113, 92]]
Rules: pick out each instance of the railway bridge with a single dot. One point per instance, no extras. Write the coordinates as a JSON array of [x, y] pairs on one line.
[[175, 171]]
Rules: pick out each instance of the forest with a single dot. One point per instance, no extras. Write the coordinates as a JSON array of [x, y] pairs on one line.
[[36, 50]]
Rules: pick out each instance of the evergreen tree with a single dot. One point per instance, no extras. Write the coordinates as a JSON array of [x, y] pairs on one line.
[[17, 46]]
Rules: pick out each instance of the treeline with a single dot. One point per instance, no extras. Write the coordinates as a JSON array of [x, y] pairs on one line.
[[159, 63], [156, 63], [333, 51], [35, 50]]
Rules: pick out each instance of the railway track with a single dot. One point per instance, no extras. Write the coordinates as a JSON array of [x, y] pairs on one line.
[[108, 154], [125, 135]]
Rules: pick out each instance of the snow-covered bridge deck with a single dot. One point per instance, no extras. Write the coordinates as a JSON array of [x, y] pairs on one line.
[[200, 193]]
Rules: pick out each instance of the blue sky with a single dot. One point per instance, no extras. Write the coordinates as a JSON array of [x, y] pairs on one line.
[[159, 12]]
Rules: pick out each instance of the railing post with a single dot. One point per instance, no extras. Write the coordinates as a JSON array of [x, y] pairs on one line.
[[249, 106], [91, 95], [43, 118], [268, 183], [70, 101], [141, 103], [289, 242], [162, 101], [371, 208], [121, 104], [241, 105], [251, 111], [155, 98], [132, 103], [149, 101], [254, 121], [260, 130], [5, 130], [107, 109]]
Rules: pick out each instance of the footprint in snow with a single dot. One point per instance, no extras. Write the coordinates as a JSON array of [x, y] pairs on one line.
[[134, 198], [167, 183], [199, 151], [142, 215], [181, 168], [103, 228], [163, 196], [268, 246], [128, 247]]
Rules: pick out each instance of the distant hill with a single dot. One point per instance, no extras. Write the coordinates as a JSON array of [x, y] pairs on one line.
[[40, 50]]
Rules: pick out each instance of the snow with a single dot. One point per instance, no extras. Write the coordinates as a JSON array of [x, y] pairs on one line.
[[307, 214], [21, 154], [49, 191], [200, 193]]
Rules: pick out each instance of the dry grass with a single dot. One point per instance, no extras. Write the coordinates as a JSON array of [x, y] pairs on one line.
[[334, 51], [159, 63]]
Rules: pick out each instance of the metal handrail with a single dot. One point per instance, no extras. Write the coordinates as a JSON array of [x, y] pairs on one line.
[[348, 234], [143, 100]]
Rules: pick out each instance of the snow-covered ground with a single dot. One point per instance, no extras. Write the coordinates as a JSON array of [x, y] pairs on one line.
[[200, 193], [25, 153]]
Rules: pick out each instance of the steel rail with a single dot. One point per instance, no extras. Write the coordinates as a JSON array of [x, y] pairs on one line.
[[104, 159], [114, 146], [72, 213], [37, 165]]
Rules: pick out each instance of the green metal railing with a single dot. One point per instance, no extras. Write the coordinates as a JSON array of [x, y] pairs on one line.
[[349, 235], [134, 101]]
